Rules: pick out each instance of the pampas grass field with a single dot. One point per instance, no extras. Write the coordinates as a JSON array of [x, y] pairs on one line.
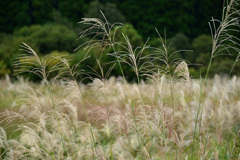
[[164, 114], [63, 130]]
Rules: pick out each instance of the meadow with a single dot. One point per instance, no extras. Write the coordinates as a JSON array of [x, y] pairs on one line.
[[96, 121], [164, 113]]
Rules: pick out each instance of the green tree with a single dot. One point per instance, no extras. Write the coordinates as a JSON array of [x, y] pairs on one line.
[[204, 11], [40, 11], [47, 38], [72, 9], [132, 34], [202, 46], [202, 43], [13, 15], [180, 41], [110, 10], [174, 16], [42, 38]]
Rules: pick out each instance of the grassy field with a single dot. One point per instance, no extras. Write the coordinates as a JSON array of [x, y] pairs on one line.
[[97, 121], [164, 114]]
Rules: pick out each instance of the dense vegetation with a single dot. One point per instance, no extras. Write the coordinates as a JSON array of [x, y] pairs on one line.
[[50, 27], [176, 16], [163, 114], [43, 131]]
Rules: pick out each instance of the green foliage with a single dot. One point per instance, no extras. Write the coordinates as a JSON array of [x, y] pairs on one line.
[[13, 15], [132, 34], [204, 10], [16, 14], [161, 14], [180, 42], [71, 9], [202, 43], [101, 53], [179, 16], [136, 41], [202, 46], [43, 38], [48, 37], [236, 149], [109, 9], [40, 11], [224, 66], [59, 19], [3, 68], [184, 21], [8, 51]]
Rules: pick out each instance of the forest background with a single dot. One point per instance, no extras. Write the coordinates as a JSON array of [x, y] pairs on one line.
[[50, 27]]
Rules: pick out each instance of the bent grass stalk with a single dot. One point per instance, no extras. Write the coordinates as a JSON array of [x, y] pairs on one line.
[[131, 55], [103, 79], [73, 74], [106, 27], [42, 73], [219, 37]]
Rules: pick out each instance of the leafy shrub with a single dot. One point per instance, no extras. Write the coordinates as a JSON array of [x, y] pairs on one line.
[[202, 43], [43, 38], [48, 37]]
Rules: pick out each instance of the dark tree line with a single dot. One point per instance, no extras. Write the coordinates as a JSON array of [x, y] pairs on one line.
[[50, 27], [189, 17]]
